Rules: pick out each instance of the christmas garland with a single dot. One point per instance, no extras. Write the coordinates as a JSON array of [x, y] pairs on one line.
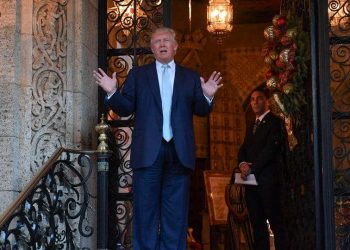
[[286, 54]]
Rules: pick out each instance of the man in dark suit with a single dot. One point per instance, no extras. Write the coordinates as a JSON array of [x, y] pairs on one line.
[[261, 155], [163, 96]]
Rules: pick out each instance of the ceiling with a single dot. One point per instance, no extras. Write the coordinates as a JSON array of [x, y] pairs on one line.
[[252, 11], [255, 11]]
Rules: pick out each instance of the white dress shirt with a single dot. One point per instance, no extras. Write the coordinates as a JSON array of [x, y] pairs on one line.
[[171, 72], [159, 69]]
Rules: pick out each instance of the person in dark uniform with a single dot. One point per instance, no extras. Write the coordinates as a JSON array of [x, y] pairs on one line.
[[261, 154]]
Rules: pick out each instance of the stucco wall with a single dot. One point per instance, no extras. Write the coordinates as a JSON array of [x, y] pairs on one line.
[[48, 98]]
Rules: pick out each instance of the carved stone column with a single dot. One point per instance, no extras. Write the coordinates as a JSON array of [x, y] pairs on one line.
[[48, 99], [15, 82]]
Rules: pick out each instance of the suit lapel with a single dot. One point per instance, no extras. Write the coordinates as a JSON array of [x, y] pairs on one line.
[[264, 122], [177, 84], [154, 84]]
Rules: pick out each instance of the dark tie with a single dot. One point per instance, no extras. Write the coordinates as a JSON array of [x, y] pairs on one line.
[[256, 124]]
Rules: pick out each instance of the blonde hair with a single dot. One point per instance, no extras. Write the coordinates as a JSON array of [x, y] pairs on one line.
[[164, 30]]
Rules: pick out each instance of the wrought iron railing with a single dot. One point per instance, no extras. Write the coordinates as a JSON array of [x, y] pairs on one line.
[[53, 209], [57, 209]]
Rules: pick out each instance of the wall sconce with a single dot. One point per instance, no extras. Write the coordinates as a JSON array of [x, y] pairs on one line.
[[219, 19]]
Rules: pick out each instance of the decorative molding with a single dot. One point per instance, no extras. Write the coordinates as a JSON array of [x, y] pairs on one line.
[[189, 54], [48, 116], [190, 48], [244, 50], [244, 68], [226, 129]]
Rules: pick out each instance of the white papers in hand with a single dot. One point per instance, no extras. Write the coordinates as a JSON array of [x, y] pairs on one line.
[[251, 180]]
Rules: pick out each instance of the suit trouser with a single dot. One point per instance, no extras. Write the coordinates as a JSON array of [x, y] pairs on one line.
[[161, 197], [264, 203]]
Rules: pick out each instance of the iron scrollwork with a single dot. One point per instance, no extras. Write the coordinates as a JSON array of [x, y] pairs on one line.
[[120, 185], [339, 36], [339, 15], [130, 22], [55, 213]]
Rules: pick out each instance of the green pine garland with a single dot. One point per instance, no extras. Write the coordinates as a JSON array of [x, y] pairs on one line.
[[287, 53]]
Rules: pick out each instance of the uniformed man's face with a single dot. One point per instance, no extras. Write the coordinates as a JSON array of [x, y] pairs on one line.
[[163, 46], [258, 102]]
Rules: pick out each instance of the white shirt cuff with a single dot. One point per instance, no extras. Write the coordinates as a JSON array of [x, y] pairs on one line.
[[239, 165], [110, 95], [209, 100]]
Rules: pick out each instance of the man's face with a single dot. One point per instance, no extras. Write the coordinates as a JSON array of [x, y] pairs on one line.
[[163, 46], [258, 102]]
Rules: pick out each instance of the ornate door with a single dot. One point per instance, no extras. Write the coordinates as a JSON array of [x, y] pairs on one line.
[[124, 35]]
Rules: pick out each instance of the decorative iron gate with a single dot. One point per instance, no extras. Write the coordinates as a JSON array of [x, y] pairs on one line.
[[125, 27], [331, 77], [339, 46]]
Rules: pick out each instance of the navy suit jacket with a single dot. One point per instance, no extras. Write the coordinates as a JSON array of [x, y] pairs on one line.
[[141, 95], [265, 149]]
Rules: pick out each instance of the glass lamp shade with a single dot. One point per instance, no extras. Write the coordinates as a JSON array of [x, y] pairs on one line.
[[219, 16]]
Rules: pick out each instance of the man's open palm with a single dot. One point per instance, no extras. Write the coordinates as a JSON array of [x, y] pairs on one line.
[[212, 85], [107, 83]]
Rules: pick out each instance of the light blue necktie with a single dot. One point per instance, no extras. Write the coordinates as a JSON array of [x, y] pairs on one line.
[[167, 93]]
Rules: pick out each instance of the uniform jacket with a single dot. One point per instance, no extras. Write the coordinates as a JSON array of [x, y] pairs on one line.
[[264, 149]]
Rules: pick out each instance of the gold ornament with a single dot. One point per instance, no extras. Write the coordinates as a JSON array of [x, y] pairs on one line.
[[277, 32], [269, 33], [288, 88], [291, 33], [275, 19], [286, 40], [272, 83], [278, 99], [273, 55], [268, 60], [292, 140], [284, 56]]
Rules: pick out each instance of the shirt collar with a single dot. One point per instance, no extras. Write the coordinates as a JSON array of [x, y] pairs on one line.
[[171, 64], [262, 116]]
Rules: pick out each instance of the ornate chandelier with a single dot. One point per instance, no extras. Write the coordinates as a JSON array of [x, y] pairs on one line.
[[219, 18]]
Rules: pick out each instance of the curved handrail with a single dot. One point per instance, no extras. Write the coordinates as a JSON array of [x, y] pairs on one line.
[[52, 208], [36, 179]]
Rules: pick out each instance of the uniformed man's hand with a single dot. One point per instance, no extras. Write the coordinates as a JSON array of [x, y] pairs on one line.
[[245, 168]]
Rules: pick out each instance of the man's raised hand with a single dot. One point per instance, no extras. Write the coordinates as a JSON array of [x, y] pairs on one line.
[[212, 85], [107, 83]]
